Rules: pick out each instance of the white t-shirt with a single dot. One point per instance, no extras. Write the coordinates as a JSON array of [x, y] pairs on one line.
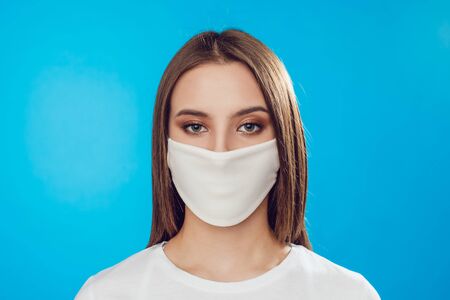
[[302, 274]]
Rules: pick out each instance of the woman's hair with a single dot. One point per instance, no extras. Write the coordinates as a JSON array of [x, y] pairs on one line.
[[287, 198]]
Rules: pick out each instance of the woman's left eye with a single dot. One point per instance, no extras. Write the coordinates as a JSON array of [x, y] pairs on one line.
[[251, 126]]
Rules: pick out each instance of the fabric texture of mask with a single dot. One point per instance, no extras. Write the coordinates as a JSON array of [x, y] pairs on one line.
[[223, 188]]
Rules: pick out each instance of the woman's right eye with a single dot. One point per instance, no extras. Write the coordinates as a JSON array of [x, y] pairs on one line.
[[194, 126]]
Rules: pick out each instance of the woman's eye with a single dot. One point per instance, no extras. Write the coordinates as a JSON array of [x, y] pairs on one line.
[[250, 127], [194, 126]]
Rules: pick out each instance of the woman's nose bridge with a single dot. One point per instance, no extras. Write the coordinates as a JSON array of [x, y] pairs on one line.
[[221, 140], [221, 143]]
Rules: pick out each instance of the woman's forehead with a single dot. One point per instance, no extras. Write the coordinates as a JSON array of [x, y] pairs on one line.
[[228, 86]]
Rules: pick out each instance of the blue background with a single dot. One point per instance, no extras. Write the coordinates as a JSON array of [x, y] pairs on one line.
[[77, 87]]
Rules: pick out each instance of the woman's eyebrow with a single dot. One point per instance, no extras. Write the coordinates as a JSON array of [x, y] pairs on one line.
[[241, 112]]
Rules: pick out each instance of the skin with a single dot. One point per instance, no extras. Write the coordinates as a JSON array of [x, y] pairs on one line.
[[248, 249]]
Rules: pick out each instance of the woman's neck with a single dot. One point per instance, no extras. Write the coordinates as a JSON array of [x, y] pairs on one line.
[[232, 253]]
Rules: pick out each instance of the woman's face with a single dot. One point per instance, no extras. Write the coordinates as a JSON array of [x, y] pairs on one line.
[[220, 108]]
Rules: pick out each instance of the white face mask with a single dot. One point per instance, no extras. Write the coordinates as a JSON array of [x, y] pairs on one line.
[[223, 188]]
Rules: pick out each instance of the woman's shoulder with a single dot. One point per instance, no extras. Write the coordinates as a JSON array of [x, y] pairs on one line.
[[120, 278], [334, 278]]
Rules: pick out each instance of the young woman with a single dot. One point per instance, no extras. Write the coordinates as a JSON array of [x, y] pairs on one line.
[[229, 187]]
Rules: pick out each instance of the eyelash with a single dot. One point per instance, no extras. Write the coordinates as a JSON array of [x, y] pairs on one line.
[[246, 133]]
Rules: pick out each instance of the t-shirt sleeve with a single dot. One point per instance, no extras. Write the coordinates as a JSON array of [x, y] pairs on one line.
[[368, 292], [85, 292]]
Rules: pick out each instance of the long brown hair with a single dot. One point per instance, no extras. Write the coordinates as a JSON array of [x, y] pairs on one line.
[[287, 198]]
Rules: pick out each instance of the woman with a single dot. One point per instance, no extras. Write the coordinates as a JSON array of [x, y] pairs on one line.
[[229, 187]]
